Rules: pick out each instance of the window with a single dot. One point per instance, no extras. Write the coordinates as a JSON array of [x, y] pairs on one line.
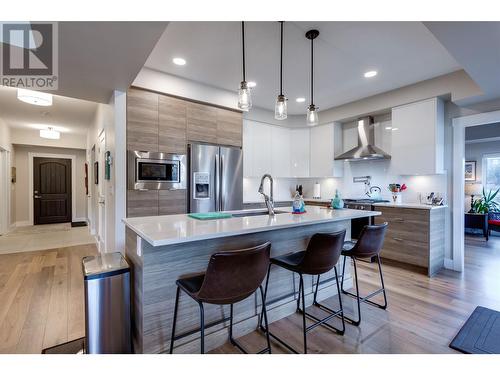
[[491, 172]]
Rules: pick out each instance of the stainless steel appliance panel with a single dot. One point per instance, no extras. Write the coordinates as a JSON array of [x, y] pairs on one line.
[[231, 179], [166, 181], [204, 177]]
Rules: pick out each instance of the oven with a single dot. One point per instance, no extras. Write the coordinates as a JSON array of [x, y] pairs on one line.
[[156, 171]]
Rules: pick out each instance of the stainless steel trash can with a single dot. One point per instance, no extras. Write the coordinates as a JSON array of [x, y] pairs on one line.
[[107, 304]]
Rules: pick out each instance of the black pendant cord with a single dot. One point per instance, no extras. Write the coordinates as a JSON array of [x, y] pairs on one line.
[[281, 61], [312, 71], [243, 44]]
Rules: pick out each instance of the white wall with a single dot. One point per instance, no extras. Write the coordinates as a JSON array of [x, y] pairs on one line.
[[32, 137], [7, 187], [23, 197], [110, 118]]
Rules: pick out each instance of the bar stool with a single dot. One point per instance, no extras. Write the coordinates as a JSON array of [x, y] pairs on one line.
[[369, 244], [321, 255], [231, 277]]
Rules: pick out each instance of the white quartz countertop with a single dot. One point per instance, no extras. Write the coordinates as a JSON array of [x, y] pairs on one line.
[[409, 205], [175, 229]]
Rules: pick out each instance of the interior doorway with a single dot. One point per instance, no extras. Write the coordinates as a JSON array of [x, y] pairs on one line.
[[99, 176], [51, 190], [4, 191]]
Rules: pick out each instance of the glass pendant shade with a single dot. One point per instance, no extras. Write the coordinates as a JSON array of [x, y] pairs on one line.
[[280, 109], [244, 97], [312, 115]]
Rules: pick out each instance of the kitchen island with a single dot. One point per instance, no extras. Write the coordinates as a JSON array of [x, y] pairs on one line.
[[162, 248]]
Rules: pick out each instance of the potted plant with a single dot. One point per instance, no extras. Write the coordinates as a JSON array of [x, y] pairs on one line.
[[396, 190], [487, 202]]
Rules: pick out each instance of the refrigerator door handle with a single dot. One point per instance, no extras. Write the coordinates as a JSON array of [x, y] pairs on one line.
[[217, 183], [221, 181]]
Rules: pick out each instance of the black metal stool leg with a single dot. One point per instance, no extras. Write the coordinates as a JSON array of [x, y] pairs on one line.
[[340, 299], [176, 306], [343, 274], [304, 327], [298, 295], [316, 290], [202, 328], [265, 295], [264, 313], [384, 306]]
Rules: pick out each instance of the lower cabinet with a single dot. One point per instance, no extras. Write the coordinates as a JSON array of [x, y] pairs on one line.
[[142, 203], [172, 202], [414, 236]]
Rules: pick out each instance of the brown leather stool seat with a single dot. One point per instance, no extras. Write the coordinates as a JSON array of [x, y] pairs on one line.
[[231, 277], [322, 254], [369, 245]]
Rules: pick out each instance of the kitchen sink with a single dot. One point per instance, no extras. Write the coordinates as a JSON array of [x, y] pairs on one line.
[[256, 213]]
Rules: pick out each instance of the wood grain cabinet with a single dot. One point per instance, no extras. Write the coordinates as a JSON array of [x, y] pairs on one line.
[[201, 123], [172, 202], [229, 127], [142, 203], [172, 125], [142, 120], [414, 236]]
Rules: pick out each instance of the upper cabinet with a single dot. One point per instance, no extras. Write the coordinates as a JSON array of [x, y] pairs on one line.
[[201, 123], [172, 125], [286, 152], [325, 141], [142, 120], [418, 138], [229, 127]]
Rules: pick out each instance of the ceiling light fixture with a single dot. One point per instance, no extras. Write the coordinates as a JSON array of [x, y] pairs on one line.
[[300, 100], [280, 111], [50, 133], [244, 92], [252, 84], [312, 110], [179, 61], [34, 97], [370, 74]]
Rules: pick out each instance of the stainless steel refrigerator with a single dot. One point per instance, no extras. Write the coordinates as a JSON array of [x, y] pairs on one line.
[[215, 178]]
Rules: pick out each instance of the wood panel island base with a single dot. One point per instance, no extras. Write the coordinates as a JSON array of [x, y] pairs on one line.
[[162, 248]]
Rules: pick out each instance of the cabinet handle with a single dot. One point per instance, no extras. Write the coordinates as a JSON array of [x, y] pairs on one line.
[[397, 239]]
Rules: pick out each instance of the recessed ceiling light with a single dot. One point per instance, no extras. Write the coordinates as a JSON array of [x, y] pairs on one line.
[[179, 61], [50, 133], [370, 74], [395, 128], [251, 84], [34, 97], [300, 100], [388, 127]]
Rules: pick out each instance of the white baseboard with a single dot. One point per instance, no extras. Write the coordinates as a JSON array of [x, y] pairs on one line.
[[448, 263], [76, 219], [22, 223]]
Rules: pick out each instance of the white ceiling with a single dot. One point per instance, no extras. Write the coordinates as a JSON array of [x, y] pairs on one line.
[[67, 115], [403, 53]]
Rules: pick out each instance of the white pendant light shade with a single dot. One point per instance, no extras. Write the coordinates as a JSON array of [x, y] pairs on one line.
[[280, 110], [34, 97], [50, 133], [312, 115], [244, 97]]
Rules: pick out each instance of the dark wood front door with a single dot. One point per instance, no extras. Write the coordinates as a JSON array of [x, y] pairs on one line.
[[51, 190]]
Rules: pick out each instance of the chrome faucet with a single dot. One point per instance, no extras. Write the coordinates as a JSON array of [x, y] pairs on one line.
[[269, 200]]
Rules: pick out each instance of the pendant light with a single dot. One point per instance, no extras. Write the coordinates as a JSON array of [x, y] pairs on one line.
[[280, 111], [244, 92], [312, 110]]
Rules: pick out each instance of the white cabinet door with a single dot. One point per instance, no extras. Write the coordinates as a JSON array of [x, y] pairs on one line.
[[418, 138], [321, 162], [300, 149], [280, 151], [261, 149], [248, 135]]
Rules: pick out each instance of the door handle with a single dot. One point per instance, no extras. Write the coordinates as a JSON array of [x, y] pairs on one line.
[[38, 196]]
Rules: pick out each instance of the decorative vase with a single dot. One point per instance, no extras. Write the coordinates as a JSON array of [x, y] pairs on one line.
[[337, 202], [397, 198]]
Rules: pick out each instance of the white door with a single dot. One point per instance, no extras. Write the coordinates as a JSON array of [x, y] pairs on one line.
[[101, 233]]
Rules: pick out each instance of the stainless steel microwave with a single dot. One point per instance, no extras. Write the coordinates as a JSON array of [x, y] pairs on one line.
[[156, 171]]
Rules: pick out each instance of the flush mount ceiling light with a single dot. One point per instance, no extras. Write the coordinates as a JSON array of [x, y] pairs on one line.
[[312, 110], [300, 100], [179, 61], [34, 97], [50, 133], [370, 74], [244, 92], [280, 110]]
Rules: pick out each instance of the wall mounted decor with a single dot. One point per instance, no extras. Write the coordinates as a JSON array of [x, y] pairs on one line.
[[13, 174], [107, 165], [470, 171], [86, 178], [96, 173]]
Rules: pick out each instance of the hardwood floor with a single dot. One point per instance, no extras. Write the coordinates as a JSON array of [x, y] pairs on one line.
[[423, 315], [41, 298], [41, 305]]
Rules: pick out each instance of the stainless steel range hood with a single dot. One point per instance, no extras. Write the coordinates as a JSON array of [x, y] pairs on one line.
[[366, 149]]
